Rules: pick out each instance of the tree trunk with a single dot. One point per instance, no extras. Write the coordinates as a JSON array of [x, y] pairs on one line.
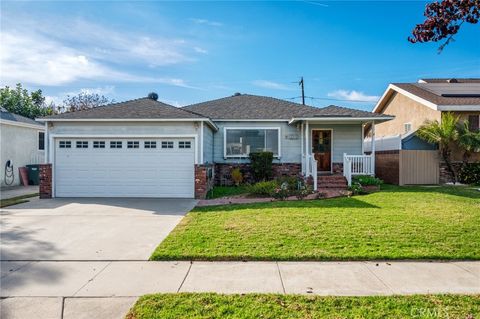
[[446, 157]]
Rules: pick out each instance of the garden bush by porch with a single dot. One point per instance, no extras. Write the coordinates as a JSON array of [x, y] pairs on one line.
[[395, 223]]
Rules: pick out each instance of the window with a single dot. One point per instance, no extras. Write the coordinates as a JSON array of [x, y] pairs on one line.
[[133, 144], [407, 127], [167, 144], [473, 123], [65, 144], [150, 144], [98, 144], [242, 142], [184, 144], [82, 144], [115, 144], [41, 141]]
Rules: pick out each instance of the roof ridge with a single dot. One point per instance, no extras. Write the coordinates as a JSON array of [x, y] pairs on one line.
[[106, 105]]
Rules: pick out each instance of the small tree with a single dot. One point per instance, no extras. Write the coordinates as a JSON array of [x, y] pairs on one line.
[[21, 102], [83, 101], [443, 20], [443, 134], [468, 140]]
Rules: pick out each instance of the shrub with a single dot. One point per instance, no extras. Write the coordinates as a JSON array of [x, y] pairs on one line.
[[292, 182], [237, 176], [282, 191], [366, 180], [263, 188], [470, 173], [356, 189], [261, 164], [303, 191]]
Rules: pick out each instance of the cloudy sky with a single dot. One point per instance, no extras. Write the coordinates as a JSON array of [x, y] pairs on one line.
[[188, 52]]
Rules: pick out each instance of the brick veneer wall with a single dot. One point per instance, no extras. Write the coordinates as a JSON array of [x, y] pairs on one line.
[[45, 176], [203, 180], [223, 172], [387, 166]]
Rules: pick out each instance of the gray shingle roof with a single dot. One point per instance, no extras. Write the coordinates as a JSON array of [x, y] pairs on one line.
[[432, 92], [143, 108], [251, 107], [446, 80], [8, 116]]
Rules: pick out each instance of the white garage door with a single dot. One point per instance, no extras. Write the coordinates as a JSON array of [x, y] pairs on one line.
[[124, 167]]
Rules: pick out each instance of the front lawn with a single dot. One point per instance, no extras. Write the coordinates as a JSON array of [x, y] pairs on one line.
[[395, 223], [294, 306]]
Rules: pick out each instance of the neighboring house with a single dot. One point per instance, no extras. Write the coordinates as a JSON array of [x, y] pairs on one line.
[[22, 143], [145, 148], [412, 104]]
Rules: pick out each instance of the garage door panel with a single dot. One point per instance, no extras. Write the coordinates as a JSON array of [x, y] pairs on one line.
[[124, 172]]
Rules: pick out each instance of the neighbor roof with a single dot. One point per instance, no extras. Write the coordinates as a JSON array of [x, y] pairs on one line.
[[450, 80], [143, 108], [254, 107], [444, 96], [12, 117]]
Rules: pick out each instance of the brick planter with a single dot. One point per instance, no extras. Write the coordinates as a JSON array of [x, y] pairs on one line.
[[223, 172], [45, 176], [203, 180]]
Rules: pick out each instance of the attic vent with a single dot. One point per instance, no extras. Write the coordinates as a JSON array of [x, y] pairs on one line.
[[452, 81], [237, 94], [153, 96]]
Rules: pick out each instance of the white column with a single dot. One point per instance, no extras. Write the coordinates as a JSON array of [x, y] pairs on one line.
[[302, 154], [201, 142], [373, 148], [307, 156], [46, 143]]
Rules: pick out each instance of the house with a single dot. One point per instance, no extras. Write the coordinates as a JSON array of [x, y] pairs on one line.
[[22, 143], [402, 157], [146, 148]]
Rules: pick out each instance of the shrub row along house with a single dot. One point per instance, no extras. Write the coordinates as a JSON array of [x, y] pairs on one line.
[[145, 148], [402, 157]]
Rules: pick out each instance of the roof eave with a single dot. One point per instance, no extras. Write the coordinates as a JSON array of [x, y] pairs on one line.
[[459, 107], [391, 88], [377, 119]]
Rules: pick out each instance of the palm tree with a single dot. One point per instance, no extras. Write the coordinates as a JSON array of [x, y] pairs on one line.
[[443, 133], [468, 140]]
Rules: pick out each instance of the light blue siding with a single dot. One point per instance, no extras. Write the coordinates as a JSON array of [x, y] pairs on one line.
[[207, 144], [347, 138], [290, 145]]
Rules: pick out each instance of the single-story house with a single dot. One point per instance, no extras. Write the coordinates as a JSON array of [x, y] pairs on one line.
[[401, 156], [146, 148], [22, 143]]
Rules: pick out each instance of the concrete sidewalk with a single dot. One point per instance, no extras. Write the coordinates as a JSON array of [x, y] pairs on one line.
[[15, 191], [110, 288]]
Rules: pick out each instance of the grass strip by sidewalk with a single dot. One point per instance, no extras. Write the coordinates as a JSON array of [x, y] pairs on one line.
[[441, 223], [16, 200], [209, 305]]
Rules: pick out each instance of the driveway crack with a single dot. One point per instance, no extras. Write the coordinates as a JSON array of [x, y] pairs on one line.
[[281, 279], [91, 279]]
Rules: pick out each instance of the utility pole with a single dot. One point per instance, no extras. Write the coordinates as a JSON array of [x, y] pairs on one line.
[[303, 90]]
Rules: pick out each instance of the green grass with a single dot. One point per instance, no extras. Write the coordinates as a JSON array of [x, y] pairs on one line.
[[223, 191], [16, 200], [395, 223], [265, 306]]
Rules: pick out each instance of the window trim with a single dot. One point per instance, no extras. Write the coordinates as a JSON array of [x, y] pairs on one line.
[[150, 144], [168, 143], [99, 144], [66, 144], [135, 144], [185, 143], [82, 143], [38, 140], [405, 126], [226, 128]]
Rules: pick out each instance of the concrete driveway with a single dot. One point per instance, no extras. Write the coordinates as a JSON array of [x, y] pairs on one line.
[[108, 229]]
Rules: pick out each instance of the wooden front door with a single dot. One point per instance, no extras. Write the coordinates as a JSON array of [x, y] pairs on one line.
[[322, 149]]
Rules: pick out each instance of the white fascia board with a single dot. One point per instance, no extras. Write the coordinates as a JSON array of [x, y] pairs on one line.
[[132, 120], [39, 127], [412, 96], [250, 120], [459, 108], [341, 119], [69, 135]]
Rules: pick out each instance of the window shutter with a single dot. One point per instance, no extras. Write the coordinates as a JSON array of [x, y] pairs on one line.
[[473, 122]]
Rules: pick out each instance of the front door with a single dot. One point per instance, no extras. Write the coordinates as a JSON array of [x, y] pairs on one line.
[[322, 149]]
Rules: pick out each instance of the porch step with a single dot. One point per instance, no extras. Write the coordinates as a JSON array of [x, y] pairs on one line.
[[332, 181]]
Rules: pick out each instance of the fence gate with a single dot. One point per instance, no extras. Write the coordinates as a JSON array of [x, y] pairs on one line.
[[419, 167]]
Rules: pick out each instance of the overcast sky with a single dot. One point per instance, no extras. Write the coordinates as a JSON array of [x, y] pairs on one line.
[[189, 52]]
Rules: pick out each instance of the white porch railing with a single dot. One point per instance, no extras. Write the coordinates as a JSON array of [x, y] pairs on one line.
[[357, 165], [310, 169]]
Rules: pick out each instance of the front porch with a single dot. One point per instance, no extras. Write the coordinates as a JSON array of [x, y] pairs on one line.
[[336, 150]]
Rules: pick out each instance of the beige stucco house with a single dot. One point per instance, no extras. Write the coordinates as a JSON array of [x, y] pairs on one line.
[[22, 142], [414, 103]]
